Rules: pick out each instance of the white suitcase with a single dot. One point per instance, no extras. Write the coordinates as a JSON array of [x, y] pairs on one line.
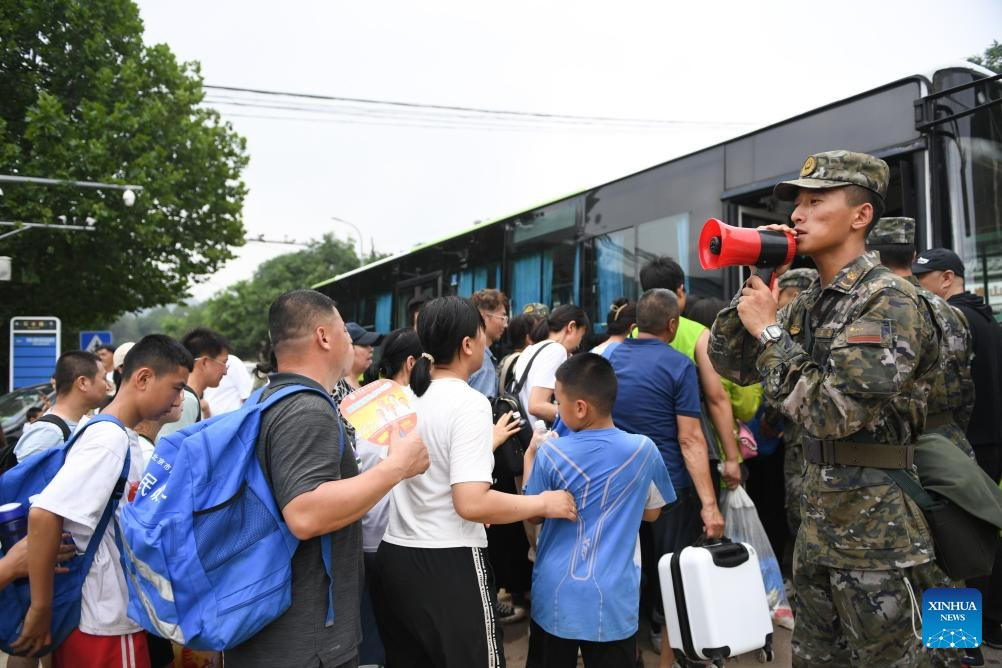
[[715, 601]]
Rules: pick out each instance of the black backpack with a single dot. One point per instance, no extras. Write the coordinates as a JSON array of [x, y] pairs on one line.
[[8, 459], [508, 456]]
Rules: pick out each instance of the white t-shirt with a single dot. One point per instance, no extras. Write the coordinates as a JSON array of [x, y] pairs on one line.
[[374, 521], [455, 423], [79, 493], [190, 410], [543, 372], [233, 390], [40, 436]]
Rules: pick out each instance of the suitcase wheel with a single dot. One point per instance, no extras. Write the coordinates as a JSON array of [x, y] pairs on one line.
[[765, 655]]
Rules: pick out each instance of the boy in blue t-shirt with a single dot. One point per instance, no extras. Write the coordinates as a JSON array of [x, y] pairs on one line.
[[586, 581]]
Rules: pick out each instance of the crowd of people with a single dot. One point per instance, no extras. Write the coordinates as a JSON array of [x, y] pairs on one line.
[[827, 380]]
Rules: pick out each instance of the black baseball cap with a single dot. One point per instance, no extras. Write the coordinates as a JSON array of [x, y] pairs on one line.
[[362, 337], [938, 259]]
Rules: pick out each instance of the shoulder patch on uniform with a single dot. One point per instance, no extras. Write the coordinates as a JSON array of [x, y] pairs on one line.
[[864, 332]]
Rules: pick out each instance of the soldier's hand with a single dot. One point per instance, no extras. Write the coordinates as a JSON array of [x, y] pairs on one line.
[[408, 453], [757, 306], [786, 229], [713, 521]]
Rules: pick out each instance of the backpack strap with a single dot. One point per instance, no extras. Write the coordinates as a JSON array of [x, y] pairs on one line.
[[59, 422], [116, 494], [198, 403], [525, 374], [326, 544], [911, 488], [504, 371]]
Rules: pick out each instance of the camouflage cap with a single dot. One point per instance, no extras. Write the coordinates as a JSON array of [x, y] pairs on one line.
[[892, 231], [835, 169], [797, 278], [535, 308]]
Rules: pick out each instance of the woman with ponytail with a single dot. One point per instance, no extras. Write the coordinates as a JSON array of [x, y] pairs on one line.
[[619, 322], [400, 351], [436, 599]]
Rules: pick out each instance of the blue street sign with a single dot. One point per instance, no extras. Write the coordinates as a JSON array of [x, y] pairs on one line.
[[34, 349], [91, 340]]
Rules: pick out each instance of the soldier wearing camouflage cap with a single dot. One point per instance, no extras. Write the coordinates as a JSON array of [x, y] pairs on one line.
[[844, 360], [535, 308], [951, 392], [949, 387], [799, 279]]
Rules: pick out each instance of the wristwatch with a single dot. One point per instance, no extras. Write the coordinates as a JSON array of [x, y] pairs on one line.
[[770, 334]]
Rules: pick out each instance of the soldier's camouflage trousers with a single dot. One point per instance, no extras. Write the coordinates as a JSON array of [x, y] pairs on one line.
[[862, 618], [793, 478]]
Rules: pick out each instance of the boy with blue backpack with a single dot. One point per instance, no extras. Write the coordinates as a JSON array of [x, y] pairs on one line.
[[102, 462]]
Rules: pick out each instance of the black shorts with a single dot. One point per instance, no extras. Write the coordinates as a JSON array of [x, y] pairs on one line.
[[436, 608], [549, 651]]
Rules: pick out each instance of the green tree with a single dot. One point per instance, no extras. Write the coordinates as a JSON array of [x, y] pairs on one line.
[[240, 312], [992, 58], [83, 98]]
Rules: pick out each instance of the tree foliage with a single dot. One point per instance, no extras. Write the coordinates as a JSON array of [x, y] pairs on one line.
[[992, 58], [240, 312], [83, 98]]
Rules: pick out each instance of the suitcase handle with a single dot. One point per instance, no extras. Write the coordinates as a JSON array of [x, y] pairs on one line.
[[706, 541], [725, 553]]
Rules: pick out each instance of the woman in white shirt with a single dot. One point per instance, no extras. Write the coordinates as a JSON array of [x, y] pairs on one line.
[[436, 601], [398, 353], [567, 325]]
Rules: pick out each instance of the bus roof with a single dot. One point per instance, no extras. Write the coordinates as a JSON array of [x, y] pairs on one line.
[[477, 226]]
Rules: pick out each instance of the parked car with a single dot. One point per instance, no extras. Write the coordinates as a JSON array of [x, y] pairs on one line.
[[14, 407]]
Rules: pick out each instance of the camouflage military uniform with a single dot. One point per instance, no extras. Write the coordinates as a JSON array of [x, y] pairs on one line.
[[950, 388], [793, 435], [846, 369]]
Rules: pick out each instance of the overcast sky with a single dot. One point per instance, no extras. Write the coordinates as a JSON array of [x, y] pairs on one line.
[[733, 63]]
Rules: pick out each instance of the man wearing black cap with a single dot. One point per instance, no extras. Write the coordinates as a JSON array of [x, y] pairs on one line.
[[941, 271]]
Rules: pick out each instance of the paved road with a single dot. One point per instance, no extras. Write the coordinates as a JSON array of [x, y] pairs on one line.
[[516, 646]]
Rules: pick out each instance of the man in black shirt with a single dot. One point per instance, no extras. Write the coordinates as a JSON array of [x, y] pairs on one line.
[[314, 477], [940, 270]]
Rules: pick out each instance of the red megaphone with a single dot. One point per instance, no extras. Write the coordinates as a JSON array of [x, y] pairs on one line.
[[722, 245]]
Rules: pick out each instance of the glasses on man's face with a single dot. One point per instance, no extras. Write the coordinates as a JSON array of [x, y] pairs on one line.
[[212, 359], [502, 317]]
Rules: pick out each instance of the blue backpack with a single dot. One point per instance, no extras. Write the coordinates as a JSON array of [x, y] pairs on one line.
[[206, 552], [20, 483]]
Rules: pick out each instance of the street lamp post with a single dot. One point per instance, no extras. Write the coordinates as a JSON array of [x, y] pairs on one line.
[[128, 191], [361, 244]]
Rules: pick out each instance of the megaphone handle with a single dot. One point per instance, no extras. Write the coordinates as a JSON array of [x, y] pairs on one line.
[[772, 280]]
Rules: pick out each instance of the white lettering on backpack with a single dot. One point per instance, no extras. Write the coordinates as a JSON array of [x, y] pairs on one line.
[[159, 495], [146, 484]]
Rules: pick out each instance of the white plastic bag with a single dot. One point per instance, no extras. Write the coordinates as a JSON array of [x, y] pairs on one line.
[[742, 525]]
